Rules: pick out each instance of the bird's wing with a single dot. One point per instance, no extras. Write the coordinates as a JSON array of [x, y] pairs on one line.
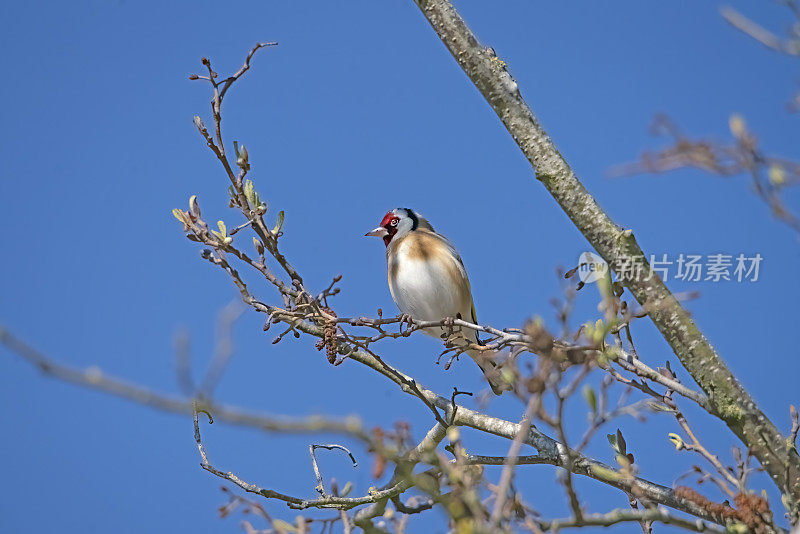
[[471, 315]]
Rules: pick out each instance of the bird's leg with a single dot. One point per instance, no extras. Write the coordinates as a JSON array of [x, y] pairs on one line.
[[448, 327]]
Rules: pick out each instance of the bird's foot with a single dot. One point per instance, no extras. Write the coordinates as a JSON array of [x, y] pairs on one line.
[[405, 319]]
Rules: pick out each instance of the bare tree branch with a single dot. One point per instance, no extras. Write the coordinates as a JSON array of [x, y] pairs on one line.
[[727, 398], [312, 450], [759, 33], [508, 469], [458, 485], [631, 516], [550, 451], [94, 378]]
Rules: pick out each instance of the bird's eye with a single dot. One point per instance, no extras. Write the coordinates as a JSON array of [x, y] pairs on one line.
[[394, 222]]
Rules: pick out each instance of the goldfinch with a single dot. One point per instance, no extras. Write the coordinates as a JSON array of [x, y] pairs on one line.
[[428, 281]]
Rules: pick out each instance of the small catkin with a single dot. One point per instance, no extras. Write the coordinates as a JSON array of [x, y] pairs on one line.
[[752, 510], [331, 345]]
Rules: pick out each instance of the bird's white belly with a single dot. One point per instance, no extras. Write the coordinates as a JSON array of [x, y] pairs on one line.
[[426, 291]]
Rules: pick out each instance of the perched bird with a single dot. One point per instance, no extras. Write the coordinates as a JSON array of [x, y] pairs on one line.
[[428, 281]]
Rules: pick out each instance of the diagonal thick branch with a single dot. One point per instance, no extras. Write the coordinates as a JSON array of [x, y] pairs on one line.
[[727, 399]]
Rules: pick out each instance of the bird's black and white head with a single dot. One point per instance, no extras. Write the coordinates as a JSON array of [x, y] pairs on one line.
[[398, 223]]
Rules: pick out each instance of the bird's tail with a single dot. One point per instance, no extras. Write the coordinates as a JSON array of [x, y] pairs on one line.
[[492, 372]]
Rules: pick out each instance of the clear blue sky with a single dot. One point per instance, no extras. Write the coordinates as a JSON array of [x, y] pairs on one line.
[[360, 109]]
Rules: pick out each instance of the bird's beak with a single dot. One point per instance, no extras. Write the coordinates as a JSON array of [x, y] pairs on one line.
[[378, 232]]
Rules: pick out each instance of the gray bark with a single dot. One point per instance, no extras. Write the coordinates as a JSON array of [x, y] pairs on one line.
[[728, 400]]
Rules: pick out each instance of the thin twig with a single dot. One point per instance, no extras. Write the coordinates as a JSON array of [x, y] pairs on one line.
[[224, 347], [250, 488], [320, 487], [501, 494], [631, 516]]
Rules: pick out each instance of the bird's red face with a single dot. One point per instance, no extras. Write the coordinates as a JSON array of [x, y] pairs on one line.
[[387, 229]]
